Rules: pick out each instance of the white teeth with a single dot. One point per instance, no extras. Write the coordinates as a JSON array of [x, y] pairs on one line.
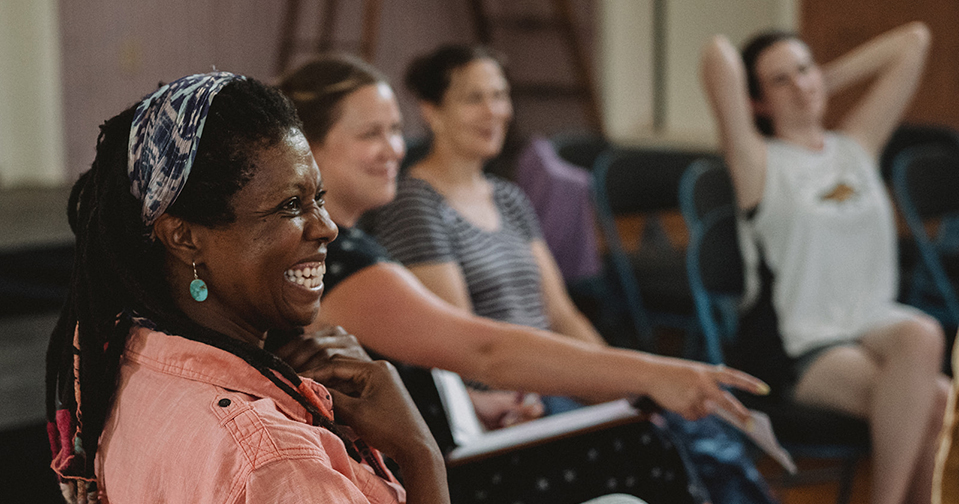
[[307, 277]]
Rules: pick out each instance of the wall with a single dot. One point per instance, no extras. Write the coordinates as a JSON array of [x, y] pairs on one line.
[[833, 28], [114, 51], [627, 62], [31, 132]]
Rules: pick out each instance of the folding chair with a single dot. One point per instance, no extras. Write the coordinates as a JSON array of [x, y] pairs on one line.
[[579, 148], [912, 135], [926, 186], [643, 183], [716, 279]]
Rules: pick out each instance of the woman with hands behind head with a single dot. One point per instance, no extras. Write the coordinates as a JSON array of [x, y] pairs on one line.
[[353, 123], [814, 202], [199, 228]]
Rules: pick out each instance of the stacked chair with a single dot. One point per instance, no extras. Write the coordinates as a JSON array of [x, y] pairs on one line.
[[925, 180], [651, 276]]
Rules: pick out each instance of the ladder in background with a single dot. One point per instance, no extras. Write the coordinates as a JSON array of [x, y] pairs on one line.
[[562, 23], [291, 44]]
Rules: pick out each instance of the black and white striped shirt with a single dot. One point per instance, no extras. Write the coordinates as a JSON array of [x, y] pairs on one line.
[[419, 227]]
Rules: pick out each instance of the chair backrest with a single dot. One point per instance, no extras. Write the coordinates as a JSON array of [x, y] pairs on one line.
[[705, 185], [911, 135], [715, 269], [579, 148], [635, 180], [714, 263], [926, 181], [926, 186]]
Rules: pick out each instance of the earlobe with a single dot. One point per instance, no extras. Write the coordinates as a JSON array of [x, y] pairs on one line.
[[178, 237]]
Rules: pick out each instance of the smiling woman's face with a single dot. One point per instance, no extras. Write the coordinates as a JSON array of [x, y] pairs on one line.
[[265, 270], [360, 155], [475, 112]]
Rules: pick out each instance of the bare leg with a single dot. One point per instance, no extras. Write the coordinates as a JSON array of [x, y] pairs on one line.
[[891, 380], [920, 492], [945, 485]]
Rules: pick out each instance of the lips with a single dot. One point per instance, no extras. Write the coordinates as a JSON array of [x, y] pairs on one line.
[[309, 275], [388, 172]]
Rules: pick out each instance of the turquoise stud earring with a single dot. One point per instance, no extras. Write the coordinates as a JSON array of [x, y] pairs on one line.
[[198, 287]]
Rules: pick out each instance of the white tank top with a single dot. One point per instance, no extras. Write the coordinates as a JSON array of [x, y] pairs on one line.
[[826, 229]]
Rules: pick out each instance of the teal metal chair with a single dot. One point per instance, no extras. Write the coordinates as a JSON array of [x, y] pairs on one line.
[[634, 182], [926, 187]]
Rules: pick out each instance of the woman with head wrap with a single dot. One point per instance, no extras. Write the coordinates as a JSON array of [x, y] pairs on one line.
[[199, 228]]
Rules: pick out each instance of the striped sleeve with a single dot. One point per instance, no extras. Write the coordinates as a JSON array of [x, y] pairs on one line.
[[413, 228]]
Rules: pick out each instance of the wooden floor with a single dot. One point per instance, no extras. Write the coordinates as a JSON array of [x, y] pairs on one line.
[[825, 493]]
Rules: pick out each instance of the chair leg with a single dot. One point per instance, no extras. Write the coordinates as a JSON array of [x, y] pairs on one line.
[[848, 476]]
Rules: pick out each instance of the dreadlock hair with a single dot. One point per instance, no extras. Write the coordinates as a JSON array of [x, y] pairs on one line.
[[118, 271], [750, 54]]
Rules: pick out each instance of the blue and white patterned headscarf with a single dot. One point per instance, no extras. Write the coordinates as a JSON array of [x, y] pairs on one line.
[[164, 137]]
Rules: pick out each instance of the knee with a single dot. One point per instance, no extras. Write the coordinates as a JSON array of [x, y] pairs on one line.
[[922, 341]]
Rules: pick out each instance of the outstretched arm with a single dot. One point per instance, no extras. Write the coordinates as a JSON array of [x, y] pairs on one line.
[[446, 280], [392, 313], [724, 80], [895, 59]]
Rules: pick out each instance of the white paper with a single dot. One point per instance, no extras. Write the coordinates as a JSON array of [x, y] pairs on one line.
[[546, 428], [760, 431]]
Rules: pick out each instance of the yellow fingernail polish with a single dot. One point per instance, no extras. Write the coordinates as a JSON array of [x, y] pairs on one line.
[[763, 389]]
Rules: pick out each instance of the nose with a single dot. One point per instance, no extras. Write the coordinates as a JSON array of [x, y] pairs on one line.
[[499, 107], [319, 226], [396, 147], [803, 82]]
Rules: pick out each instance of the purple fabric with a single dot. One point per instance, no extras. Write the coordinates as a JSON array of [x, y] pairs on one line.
[[560, 194]]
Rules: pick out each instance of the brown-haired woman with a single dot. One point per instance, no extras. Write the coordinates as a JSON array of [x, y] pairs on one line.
[[814, 202]]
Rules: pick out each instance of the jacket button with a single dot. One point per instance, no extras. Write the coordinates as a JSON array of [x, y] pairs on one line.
[[223, 403]]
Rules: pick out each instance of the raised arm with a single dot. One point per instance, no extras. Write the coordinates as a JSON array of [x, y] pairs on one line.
[[895, 60], [393, 314], [724, 81]]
